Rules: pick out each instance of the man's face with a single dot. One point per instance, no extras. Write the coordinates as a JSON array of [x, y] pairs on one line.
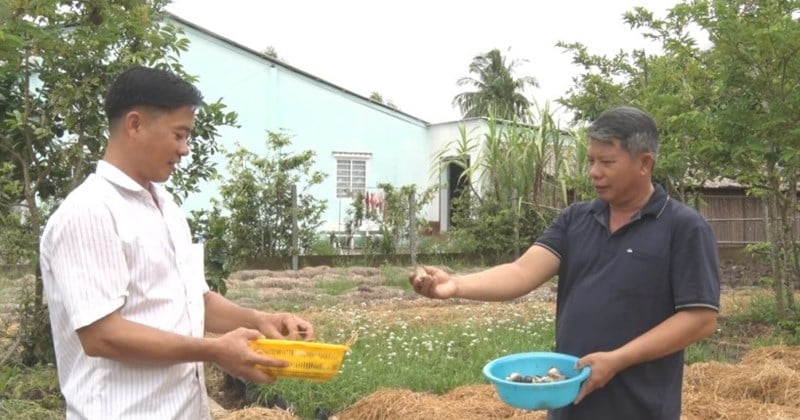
[[615, 174], [161, 141]]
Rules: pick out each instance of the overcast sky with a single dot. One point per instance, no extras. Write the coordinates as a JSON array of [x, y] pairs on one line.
[[413, 52]]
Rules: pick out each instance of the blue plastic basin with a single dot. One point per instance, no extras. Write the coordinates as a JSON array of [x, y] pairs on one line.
[[542, 396]]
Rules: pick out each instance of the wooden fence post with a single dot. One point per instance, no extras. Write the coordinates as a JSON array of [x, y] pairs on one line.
[[295, 250], [412, 226], [515, 201]]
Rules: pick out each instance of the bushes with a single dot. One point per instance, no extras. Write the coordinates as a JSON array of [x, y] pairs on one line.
[[499, 231]]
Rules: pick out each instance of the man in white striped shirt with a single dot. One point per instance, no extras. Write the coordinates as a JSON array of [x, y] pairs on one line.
[[125, 286]]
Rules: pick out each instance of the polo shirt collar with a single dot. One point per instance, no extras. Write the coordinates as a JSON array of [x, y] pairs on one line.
[[115, 176], [654, 207]]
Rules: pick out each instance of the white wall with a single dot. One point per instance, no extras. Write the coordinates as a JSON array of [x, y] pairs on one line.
[[442, 139]]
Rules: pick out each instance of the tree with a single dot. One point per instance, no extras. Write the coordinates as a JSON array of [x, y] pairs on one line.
[[377, 97], [676, 88], [54, 70], [497, 90], [757, 45], [515, 174], [256, 196], [270, 52], [729, 110], [210, 227]]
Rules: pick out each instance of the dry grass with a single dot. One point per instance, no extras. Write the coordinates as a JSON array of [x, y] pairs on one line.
[[258, 413], [765, 385], [467, 402]]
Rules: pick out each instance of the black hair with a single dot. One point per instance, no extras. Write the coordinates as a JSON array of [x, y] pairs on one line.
[[149, 87]]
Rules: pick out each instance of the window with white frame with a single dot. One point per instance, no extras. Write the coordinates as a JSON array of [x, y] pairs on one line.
[[351, 173]]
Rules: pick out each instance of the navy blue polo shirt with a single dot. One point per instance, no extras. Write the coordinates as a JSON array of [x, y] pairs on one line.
[[613, 288]]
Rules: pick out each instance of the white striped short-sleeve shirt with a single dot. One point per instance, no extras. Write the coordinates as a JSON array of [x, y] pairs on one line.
[[109, 247]]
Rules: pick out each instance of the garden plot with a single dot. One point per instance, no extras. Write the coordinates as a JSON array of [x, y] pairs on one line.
[[765, 384]]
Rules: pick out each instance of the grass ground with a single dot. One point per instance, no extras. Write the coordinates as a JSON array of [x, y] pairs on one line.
[[403, 341]]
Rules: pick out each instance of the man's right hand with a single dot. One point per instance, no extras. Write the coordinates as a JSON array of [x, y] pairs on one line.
[[235, 356], [433, 283]]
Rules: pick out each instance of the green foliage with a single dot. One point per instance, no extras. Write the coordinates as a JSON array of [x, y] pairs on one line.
[[256, 196], [204, 146], [790, 328], [336, 287], [676, 88], [394, 219], [395, 277], [391, 219], [322, 246], [757, 249], [377, 97], [573, 177], [56, 61], [705, 350], [17, 244], [30, 393], [726, 110], [514, 184], [497, 92], [211, 226], [490, 229], [54, 127], [36, 338], [763, 310], [442, 243]]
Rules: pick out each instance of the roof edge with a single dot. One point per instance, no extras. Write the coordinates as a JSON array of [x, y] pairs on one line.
[[289, 67]]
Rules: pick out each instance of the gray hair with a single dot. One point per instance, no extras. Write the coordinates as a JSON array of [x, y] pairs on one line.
[[635, 129]]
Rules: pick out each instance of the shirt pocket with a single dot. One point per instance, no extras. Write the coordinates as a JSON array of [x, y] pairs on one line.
[[639, 274], [150, 263]]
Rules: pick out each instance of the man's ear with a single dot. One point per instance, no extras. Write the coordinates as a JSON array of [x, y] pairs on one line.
[[648, 162], [132, 123]]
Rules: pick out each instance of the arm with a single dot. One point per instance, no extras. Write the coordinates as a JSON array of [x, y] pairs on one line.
[[502, 282], [223, 316], [510, 280], [673, 334], [114, 337]]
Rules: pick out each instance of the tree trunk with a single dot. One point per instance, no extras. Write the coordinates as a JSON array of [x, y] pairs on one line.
[[30, 190], [80, 165], [791, 249], [773, 255], [788, 248]]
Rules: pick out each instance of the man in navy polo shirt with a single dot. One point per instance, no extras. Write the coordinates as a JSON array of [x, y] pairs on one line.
[[638, 278]]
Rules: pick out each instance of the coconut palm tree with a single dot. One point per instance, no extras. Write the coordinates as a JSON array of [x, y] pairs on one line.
[[497, 91]]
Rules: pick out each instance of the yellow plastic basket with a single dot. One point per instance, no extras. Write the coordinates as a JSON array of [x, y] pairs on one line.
[[307, 360]]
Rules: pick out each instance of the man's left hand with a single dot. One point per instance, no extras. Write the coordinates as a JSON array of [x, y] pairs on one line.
[[604, 366], [285, 326]]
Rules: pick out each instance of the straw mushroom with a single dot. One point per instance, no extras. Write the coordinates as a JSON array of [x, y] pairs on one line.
[[555, 374], [514, 377]]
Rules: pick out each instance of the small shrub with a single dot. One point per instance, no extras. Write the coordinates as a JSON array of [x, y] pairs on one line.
[[322, 246], [395, 276], [336, 287], [439, 244]]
